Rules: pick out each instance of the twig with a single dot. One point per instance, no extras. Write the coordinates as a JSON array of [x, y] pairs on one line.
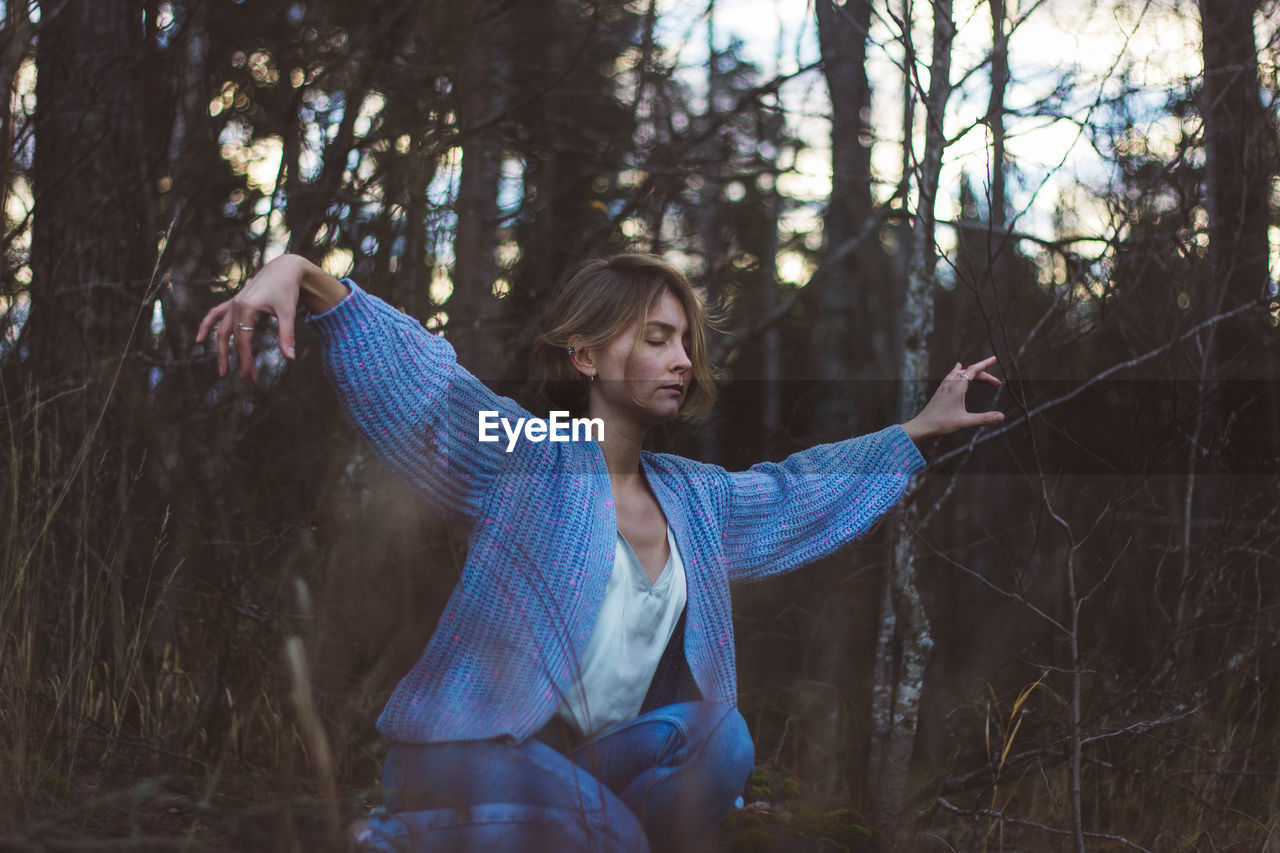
[[992, 434], [1053, 830], [982, 775]]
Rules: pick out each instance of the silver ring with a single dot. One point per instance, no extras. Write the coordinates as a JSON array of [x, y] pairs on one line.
[[242, 327], [963, 375]]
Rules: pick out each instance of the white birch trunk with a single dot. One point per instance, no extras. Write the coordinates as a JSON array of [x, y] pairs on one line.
[[905, 640]]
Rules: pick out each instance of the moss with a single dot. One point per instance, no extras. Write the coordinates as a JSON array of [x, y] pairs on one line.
[[755, 839], [839, 824], [748, 832], [771, 783], [787, 816], [740, 820], [760, 787]]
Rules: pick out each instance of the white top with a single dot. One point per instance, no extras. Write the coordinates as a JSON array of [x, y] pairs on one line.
[[632, 631]]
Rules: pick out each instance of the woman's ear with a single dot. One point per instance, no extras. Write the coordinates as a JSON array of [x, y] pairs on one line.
[[580, 358]]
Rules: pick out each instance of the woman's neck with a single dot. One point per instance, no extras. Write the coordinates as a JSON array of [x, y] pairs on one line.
[[621, 444], [621, 447]]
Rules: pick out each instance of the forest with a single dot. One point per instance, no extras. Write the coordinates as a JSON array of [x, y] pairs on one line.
[[1065, 637]]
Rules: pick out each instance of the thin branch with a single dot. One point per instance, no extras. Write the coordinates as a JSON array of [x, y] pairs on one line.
[[1003, 817], [981, 776], [991, 435]]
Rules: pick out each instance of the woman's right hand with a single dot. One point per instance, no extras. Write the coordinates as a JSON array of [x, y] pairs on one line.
[[275, 290]]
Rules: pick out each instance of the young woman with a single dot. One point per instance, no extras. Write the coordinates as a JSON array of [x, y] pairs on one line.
[[579, 691]]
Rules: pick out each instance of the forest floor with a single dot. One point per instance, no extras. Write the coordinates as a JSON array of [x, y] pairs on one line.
[[173, 813]]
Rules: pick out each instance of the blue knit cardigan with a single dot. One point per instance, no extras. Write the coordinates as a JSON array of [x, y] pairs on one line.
[[543, 528]]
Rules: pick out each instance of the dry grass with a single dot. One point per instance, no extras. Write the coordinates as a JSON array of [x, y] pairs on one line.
[[95, 692]]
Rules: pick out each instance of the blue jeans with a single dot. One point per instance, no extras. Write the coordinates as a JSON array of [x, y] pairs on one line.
[[660, 781]]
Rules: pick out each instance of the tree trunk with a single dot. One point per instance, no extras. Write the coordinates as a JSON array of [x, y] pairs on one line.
[[850, 315], [482, 90], [904, 638], [15, 47], [93, 241], [1239, 149], [902, 230], [995, 120], [93, 250], [998, 269], [710, 214], [853, 317]]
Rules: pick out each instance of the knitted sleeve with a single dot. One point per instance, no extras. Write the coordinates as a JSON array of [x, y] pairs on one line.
[[403, 389], [782, 515]]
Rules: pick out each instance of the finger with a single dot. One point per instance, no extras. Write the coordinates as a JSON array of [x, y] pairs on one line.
[[977, 371], [963, 377], [209, 321], [978, 366], [285, 318], [987, 418], [222, 337], [244, 346]]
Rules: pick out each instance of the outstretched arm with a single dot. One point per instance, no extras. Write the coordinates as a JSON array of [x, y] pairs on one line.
[[783, 515], [400, 385]]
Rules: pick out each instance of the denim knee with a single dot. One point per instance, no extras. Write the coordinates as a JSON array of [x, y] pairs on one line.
[[733, 753]]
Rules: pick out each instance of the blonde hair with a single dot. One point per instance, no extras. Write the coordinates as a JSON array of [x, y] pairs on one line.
[[603, 299]]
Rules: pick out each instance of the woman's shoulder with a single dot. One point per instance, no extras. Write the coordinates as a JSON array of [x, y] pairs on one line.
[[684, 476], [669, 463]]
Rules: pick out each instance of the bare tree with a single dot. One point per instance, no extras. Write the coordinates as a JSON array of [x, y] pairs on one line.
[[905, 640]]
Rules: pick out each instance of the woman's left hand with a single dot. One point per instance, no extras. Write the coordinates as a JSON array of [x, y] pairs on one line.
[[945, 412]]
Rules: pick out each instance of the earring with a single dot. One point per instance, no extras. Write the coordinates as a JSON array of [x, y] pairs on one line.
[[572, 350], [593, 380]]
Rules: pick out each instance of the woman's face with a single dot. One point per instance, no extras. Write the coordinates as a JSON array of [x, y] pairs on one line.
[[656, 373]]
